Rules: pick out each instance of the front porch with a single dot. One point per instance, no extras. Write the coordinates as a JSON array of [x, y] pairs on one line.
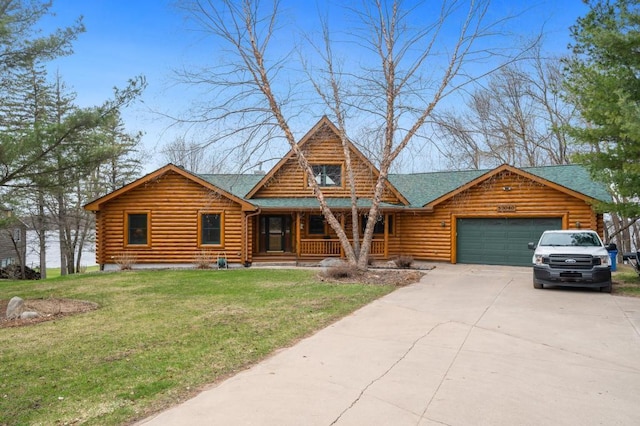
[[332, 248], [306, 236]]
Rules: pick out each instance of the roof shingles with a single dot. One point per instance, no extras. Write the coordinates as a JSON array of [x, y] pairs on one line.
[[419, 188]]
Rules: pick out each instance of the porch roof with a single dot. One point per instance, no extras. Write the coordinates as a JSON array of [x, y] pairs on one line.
[[310, 203]]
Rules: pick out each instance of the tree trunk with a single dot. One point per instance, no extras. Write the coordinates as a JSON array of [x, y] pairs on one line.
[[81, 241], [63, 260], [61, 234], [42, 237]]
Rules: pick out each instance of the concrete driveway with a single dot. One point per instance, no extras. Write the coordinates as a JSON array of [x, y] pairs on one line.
[[468, 345]]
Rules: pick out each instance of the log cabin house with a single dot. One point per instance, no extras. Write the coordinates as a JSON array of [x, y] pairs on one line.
[[171, 217]]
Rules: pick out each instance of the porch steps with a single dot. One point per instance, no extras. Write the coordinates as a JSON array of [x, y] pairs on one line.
[[284, 260], [274, 260]]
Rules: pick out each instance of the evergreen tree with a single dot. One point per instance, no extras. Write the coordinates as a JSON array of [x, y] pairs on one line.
[[20, 41], [604, 83], [102, 160], [49, 146], [29, 147]]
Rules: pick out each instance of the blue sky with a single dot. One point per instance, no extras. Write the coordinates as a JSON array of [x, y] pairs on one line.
[[125, 38]]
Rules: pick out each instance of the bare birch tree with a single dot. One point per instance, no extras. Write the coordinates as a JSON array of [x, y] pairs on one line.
[[519, 117], [192, 155], [408, 66]]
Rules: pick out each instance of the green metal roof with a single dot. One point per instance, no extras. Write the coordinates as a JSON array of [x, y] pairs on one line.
[[419, 188], [312, 203]]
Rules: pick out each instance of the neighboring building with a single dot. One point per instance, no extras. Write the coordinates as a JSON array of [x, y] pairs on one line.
[[13, 239], [168, 217], [53, 251]]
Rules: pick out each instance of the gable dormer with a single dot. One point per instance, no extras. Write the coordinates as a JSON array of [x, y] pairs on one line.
[[324, 151]]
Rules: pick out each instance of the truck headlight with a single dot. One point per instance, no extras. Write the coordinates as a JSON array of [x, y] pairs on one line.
[[537, 259], [604, 260]]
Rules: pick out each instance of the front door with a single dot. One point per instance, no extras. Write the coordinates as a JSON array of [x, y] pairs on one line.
[[275, 233]]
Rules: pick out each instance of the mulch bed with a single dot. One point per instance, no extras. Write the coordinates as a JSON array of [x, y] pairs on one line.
[[49, 309], [395, 277]]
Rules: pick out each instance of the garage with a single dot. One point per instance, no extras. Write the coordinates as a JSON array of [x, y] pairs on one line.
[[500, 241]]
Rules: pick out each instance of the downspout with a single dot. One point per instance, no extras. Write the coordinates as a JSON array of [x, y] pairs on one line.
[[246, 236]]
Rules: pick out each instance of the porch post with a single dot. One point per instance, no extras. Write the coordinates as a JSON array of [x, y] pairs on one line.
[[386, 236], [298, 232], [342, 222]]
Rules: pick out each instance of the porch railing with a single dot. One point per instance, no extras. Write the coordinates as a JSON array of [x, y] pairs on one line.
[[332, 247]]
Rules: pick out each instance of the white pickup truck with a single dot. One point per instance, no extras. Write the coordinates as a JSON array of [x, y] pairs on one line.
[[575, 258]]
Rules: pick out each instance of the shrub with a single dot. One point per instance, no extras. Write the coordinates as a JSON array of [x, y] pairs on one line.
[[341, 271], [403, 261], [203, 259], [125, 260]]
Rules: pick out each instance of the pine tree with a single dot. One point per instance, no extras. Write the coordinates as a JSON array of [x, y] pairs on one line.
[[604, 83], [49, 146]]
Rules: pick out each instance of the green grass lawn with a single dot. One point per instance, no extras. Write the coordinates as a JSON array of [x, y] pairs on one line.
[[55, 272], [157, 337], [626, 281]]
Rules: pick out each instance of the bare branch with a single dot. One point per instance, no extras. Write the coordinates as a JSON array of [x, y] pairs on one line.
[[390, 93]]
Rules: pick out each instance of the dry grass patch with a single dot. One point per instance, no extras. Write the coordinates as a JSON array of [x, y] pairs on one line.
[[626, 281]]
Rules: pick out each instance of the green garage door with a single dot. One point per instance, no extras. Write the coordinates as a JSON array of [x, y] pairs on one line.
[[500, 241]]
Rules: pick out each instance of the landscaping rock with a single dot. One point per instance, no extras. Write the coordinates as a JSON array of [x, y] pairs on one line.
[[331, 262], [15, 307], [29, 315]]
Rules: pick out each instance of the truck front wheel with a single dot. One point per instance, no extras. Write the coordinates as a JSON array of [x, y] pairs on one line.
[[606, 289]]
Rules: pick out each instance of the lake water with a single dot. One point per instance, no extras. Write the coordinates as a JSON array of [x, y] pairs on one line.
[[53, 251]]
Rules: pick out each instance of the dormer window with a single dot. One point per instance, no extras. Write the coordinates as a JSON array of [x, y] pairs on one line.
[[328, 174]]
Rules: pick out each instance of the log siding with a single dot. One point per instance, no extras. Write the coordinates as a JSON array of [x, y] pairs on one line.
[[423, 220], [433, 236], [174, 205], [324, 147]]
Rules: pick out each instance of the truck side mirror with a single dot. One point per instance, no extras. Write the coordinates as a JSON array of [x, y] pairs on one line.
[[532, 246]]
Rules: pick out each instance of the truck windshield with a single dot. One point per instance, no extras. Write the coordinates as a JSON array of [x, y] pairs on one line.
[[582, 239]]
